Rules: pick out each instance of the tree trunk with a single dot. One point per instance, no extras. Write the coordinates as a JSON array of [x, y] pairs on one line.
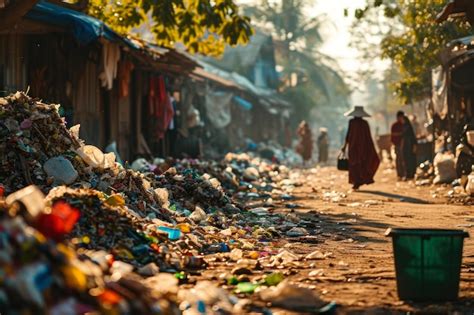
[[15, 11]]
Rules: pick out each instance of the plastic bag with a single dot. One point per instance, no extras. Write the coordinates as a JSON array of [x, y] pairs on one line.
[[445, 168]]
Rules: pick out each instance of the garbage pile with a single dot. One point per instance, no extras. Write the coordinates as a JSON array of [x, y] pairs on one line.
[[42, 272], [106, 237]]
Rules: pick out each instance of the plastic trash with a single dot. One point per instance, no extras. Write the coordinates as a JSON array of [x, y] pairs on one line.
[[292, 297], [251, 174], [162, 196], [445, 168], [316, 255], [148, 270], [273, 278], [259, 211], [285, 256], [59, 222], [198, 215], [32, 280], [120, 268], [112, 155], [115, 200], [173, 234], [92, 155], [217, 248], [236, 254], [31, 198], [246, 287], [61, 169], [163, 283], [297, 231]]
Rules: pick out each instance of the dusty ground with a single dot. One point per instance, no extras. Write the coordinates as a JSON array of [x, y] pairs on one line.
[[359, 274]]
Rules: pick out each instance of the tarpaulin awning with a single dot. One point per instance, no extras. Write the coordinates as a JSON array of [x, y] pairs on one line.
[[243, 103], [85, 28]]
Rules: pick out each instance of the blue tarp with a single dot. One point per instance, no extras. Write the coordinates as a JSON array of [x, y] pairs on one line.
[[85, 28], [245, 104]]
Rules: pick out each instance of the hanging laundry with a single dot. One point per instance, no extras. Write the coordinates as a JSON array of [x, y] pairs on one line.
[[110, 59], [160, 105], [125, 69]]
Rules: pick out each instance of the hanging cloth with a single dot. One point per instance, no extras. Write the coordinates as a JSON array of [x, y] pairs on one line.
[[218, 107], [160, 106], [125, 69], [110, 59]]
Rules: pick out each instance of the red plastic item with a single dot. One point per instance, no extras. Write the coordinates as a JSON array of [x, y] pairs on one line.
[[2, 191], [109, 297], [59, 222]]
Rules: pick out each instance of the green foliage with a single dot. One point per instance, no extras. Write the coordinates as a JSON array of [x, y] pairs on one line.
[[414, 40], [203, 26], [297, 38]]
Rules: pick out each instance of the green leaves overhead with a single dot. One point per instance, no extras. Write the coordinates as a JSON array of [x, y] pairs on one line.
[[413, 41], [203, 26]]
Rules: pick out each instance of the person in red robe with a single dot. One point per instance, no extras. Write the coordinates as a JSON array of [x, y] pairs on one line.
[[363, 158], [305, 145]]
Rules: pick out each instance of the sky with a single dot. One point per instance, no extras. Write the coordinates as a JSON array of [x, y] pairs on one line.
[[337, 32], [337, 36]]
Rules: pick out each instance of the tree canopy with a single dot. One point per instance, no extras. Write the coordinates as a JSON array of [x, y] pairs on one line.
[[203, 26], [297, 40], [413, 40]]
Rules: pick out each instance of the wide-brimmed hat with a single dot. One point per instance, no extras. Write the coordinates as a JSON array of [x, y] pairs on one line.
[[357, 111]]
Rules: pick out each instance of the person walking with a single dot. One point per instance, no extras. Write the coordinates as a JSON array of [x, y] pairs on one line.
[[396, 138], [408, 145], [323, 145], [363, 158], [305, 146]]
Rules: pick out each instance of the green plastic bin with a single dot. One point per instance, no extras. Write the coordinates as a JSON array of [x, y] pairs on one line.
[[427, 263]]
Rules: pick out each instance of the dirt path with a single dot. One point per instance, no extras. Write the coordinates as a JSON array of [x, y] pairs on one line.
[[359, 274]]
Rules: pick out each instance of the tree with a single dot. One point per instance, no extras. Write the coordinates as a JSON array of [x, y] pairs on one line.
[[297, 41], [203, 26], [414, 41]]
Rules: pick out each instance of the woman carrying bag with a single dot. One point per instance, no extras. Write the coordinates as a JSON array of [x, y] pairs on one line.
[[363, 158]]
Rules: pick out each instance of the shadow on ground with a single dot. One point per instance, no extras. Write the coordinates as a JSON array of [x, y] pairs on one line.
[[395, 196], [344, 226]]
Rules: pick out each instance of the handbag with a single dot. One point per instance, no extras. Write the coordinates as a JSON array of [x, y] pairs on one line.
[[342, 162]]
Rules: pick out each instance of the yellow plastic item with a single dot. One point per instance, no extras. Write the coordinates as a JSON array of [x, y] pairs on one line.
[[74, 278], [184, 227], [115, 200]]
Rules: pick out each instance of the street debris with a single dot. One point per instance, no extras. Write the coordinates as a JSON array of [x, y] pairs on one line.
[[125, 240]]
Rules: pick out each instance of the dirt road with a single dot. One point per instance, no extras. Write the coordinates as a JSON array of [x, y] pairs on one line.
[[355, 265], [359, 274]]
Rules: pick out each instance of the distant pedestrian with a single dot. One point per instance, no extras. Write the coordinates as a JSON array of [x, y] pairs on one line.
[[363, 158], [396, 137], [409, 143], [323, 145], [305, 145]]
